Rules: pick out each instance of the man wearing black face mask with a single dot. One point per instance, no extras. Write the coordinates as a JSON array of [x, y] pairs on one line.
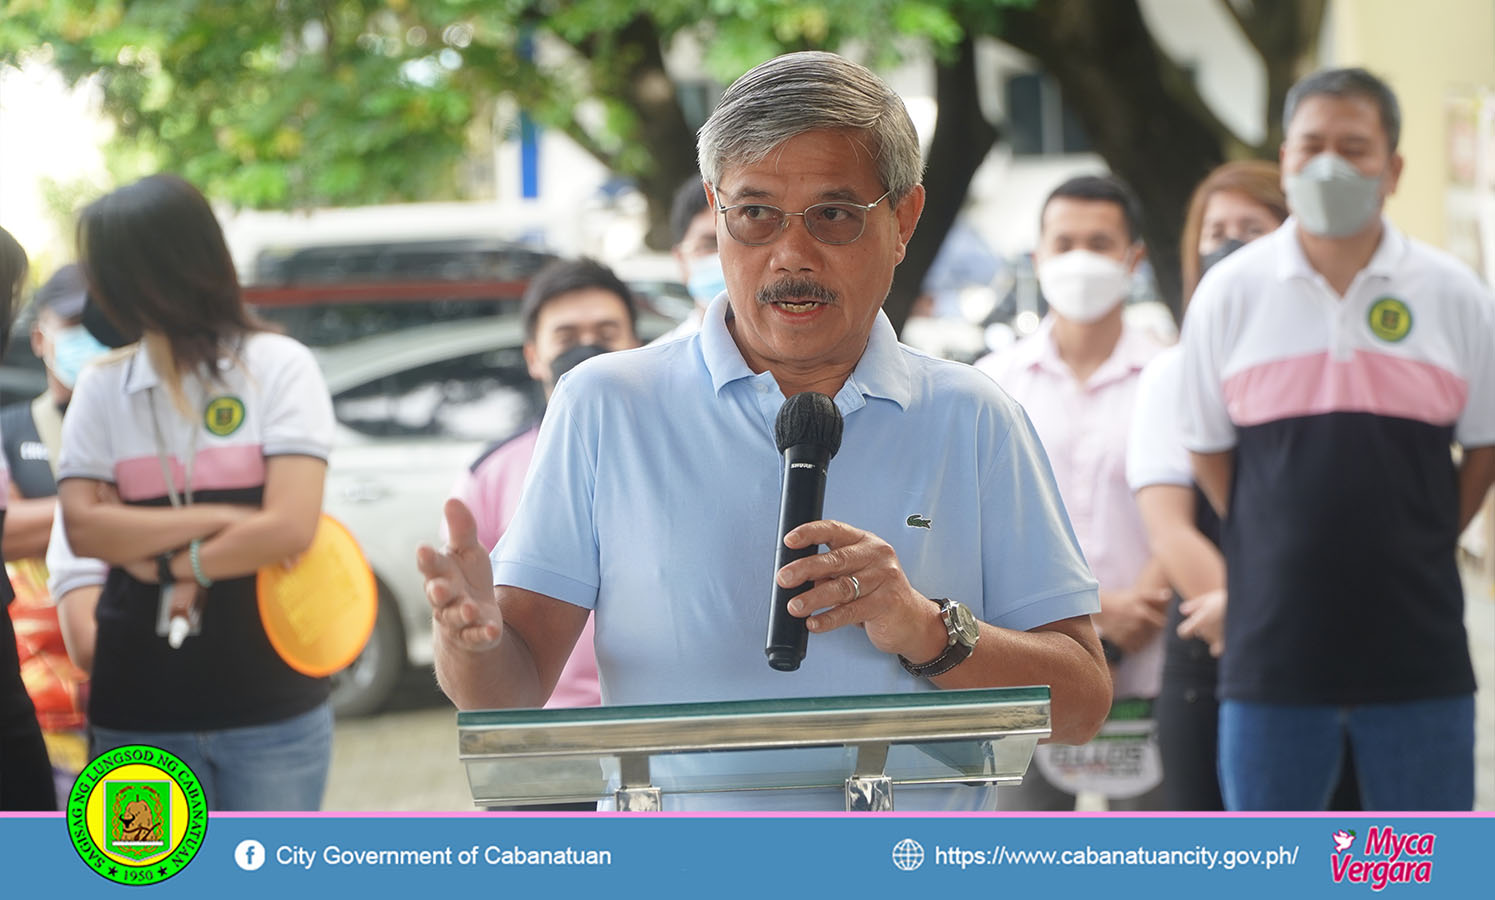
[[572, 310], [1327, 369]]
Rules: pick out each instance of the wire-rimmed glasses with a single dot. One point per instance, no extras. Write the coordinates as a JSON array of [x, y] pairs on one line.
[[835, 222]]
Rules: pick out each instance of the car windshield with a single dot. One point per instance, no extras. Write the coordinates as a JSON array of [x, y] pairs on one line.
[[326, 323]]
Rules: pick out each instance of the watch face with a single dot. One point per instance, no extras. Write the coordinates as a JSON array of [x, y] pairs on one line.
[[967, 629]]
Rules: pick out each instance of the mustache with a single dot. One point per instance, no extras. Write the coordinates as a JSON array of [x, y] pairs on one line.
[[796, 289]]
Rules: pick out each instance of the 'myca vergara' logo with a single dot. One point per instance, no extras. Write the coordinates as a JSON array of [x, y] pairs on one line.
[[1403, 858]]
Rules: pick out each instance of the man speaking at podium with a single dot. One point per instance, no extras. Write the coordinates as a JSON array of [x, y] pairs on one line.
[[654, 492]]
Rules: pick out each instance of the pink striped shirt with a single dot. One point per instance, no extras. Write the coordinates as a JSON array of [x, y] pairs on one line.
[[492, 492], [1084, 430]]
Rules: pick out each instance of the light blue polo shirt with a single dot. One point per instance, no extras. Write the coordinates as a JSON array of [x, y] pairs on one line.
[[653, 498]]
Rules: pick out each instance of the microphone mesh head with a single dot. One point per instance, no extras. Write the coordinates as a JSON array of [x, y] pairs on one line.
[[809, 418]]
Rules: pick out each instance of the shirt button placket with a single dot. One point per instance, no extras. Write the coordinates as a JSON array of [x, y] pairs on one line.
[[1341, 312]]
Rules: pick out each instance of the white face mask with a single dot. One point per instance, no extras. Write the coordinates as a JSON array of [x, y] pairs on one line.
[[706, 279], [1083, 286], [72, 349], [1330, 197]]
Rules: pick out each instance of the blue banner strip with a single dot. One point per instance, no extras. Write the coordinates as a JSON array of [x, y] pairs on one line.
[[605, 855]]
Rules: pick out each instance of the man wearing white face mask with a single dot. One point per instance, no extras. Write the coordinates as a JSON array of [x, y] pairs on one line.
[[693, 223], [1327, 368], [1077, 377]]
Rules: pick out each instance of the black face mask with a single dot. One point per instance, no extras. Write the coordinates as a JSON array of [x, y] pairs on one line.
[[1210, 259], [572, 358]]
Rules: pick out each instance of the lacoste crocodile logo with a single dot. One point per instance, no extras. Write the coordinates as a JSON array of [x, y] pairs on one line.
[[917, 521]]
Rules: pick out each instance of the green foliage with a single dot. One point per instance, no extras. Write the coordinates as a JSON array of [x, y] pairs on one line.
[[294, 103]]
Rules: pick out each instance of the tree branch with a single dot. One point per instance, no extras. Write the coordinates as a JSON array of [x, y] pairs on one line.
[[1284, 33], [1128, 93], [962, 138], [1248, 27]]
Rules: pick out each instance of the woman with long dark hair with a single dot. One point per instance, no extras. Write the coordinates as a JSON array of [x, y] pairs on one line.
[[190, 460]]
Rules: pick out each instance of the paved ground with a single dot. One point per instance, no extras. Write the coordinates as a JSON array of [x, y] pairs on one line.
[[406, 758]]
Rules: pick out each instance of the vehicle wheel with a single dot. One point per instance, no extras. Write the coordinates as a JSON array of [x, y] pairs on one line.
[[362, 688]]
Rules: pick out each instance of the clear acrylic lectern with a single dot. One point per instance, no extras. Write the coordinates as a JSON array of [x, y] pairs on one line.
[[867, 745]]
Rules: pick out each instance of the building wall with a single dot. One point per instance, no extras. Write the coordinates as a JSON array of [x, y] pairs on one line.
[[1428, 53]]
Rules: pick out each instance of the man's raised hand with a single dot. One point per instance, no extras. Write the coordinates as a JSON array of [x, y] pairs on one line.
[[459, 585]]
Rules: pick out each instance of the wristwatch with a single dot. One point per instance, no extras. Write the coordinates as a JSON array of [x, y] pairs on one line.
[[963, 631], [163, 569]]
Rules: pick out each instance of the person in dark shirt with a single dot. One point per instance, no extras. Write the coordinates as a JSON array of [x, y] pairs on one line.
[[25, 771]]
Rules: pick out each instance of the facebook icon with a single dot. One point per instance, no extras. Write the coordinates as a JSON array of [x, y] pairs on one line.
[[250, 855]]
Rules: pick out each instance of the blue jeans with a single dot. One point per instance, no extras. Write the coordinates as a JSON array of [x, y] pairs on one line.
[[277, 767], [1414, 755]]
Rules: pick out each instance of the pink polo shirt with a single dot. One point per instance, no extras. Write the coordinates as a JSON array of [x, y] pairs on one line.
[[1084, 430], [492, 490]]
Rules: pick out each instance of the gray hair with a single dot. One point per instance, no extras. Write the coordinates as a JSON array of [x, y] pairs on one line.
[[809, 91], [1354, 82]]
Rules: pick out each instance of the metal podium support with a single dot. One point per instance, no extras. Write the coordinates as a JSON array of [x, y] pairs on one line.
[[864, 745], [869, 789]]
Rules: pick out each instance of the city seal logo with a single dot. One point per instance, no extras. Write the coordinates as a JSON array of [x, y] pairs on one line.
[[1390, 319], [224, 415], [137, 815]]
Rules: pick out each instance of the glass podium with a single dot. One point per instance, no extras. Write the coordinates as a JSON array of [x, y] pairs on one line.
[[865, 745]]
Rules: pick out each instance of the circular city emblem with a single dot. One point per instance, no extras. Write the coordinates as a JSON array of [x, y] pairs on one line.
[[224, 415], [1390, 319], [137, 815]]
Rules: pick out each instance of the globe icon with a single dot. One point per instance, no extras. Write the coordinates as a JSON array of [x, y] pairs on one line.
[[908, 854]]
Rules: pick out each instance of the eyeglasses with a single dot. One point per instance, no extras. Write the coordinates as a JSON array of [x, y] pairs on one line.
[[756, 224]]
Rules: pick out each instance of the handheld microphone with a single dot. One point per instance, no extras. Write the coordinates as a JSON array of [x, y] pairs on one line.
[[808, 434]]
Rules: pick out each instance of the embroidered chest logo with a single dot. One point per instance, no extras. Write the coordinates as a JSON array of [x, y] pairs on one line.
[[1389, 319], [223, 415], [918, 521]]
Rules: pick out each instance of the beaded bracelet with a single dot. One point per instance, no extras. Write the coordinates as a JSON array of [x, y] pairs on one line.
[[194, 553]]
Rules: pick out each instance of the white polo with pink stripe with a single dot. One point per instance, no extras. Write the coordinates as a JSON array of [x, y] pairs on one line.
[[273, 404], [269, 401], [1344, 505]]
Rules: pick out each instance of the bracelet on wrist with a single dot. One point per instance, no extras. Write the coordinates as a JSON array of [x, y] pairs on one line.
[[194, 553]]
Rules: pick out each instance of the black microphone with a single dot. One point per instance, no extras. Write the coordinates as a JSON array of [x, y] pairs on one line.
[[808, 432]]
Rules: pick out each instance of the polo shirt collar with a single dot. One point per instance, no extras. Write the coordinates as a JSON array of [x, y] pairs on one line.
[[1133, 350], [1292, 262], [1038, 351], [881, 372], [723, 360], [141, 375]]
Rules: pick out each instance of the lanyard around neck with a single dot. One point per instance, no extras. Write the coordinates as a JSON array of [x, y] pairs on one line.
[[185, 495]]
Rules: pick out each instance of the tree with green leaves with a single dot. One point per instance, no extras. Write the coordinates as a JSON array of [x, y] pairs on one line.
[[1142, 110], [297, 104]]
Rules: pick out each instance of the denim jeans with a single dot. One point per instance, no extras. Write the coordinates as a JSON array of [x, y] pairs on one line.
[[1413, 755], [275, 767]]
